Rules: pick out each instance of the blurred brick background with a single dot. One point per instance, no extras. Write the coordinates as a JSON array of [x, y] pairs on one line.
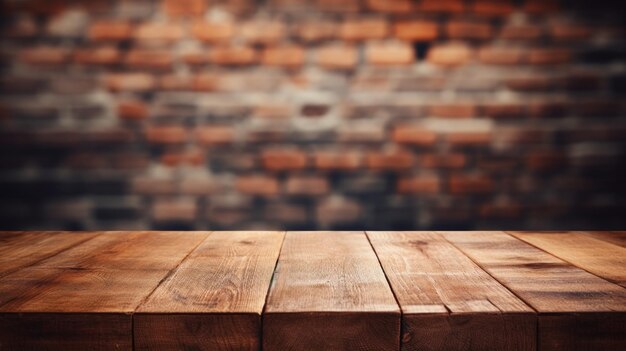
[[312, 114]]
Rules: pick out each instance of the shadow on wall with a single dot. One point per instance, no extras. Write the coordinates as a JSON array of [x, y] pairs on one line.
[[240, 114]]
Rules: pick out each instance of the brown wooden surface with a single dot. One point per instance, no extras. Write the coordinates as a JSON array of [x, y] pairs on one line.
[[330, 293], [594, 255], [312, 291], [107, 276], [448, 302], [21, 249], [214, 299], [577, 310]]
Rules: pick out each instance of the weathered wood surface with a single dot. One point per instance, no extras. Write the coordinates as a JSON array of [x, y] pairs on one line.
[[330, 293], [21, 249], [447, 301], [312, 291], [577, 310], [214, 299], [82, 298], [584, 251]]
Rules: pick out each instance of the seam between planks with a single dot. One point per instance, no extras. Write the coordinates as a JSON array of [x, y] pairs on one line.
[[369, 241], [269, 288], [487, 271], [169, 274], [90, 237], [565, 260], [537, 313]]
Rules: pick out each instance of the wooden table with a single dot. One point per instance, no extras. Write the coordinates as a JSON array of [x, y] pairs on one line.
[[312, 291]]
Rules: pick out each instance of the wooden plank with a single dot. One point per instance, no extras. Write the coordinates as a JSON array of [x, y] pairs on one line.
[[577, 310], [214, 299], [21, 249], [582, 250], [95, 285], [330, 293], [448, 302], [613, 237]]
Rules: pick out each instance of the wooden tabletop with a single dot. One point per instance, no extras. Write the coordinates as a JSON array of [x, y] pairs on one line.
[[312, 290]]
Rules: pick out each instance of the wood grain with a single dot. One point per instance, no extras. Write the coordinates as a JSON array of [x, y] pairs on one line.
[[96, 283], [215, 298], [614, 237], [582, 250], [577, 310], [21, 249], [448, 302], [330, 293]]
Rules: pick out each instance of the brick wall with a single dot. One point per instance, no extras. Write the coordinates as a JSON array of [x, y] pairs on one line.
[[312, 114]]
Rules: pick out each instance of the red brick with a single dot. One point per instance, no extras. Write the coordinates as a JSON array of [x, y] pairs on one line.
[[317, 30], [416, 30], [288, 213], [470, 184], [175, 82], [546, 160], [130, 82], [257, 185], [337, 56], [337, 210], [547, 108], [151, 59], [132, 109], [494, 55], [284, 159], [551, 56], [451, 160], [166, 134], [273, 110], [453, 109], [530, 82], [262, 32], [110, 30], [206, 82], [337, 160], [44, 56], [213, 32], [177, 158], [195, 57], [449, 54], [503, 109], [103, 56], [22, 28], [441, 6], [233, 55], [200, 184], [288, 56], [541, 6], [469, 138], [159, 32], [570, 32], [414, 135], [153, 186], [390, 6], [390, 160], [492, 7], [422, 184], [174, 210], [597, 107], [468, 30], [521, 32], [500, 211], [343, 6], [307, 185], [389, 54], [184, 7], [215, 135], [363, 29]]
